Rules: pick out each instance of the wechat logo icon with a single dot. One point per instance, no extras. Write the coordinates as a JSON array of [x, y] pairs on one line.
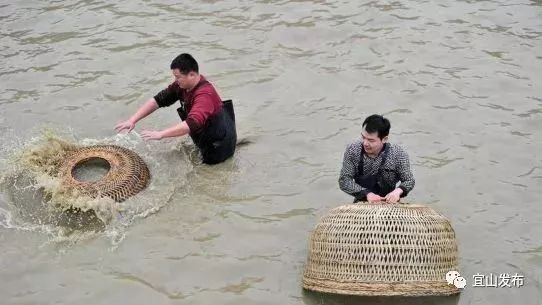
[[454, 278]]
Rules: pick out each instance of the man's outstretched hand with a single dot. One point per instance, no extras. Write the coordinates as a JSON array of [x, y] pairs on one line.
[[152, 135], [129, 125]]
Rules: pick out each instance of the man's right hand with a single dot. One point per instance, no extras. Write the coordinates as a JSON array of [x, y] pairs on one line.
[[125, 125], [373, 198]]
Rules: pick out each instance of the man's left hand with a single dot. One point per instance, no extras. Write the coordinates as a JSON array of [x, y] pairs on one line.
[[152, 135], [394, 196]]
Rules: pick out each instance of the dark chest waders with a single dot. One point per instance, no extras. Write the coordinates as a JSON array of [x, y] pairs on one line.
[[218, 138], [371, 182]]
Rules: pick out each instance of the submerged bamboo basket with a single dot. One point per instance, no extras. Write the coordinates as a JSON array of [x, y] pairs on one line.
[[382, 250]]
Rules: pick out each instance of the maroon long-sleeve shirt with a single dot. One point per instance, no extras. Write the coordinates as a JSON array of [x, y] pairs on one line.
[[200, 103]]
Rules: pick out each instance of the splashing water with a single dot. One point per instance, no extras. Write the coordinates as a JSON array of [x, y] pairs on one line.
[[32, 197]]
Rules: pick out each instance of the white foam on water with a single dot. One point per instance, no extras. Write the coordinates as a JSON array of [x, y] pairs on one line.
[[33, 199]]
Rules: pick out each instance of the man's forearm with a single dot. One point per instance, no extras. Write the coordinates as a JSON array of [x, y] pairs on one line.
[[348, 185], [346, 178], [176, 130], [407, 182], [405, 175], [149, 107]]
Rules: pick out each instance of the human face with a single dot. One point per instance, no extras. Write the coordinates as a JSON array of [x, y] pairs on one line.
[[185, 81], [372, 143]]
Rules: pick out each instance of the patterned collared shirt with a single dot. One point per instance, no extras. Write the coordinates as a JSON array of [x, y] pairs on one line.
[[396, 169]]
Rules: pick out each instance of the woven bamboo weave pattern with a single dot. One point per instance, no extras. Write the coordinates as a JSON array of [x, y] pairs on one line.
[[127, 176], [390, 249]]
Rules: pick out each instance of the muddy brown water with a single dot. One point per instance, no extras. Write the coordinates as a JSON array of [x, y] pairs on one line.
[[459, 80]]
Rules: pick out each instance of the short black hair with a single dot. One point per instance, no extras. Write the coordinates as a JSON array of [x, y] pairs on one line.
[[185, 63], [377, 123]]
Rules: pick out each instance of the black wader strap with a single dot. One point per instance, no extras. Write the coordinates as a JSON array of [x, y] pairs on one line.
[[382, 161], [182, 110], [228, 107]]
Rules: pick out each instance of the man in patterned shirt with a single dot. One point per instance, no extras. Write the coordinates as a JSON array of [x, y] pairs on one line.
[[373, 169]]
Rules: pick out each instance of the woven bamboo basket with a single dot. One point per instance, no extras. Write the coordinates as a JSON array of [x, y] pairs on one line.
[[127, 176], [382, 250]]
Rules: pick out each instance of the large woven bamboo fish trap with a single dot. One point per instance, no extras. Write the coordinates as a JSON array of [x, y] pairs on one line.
[[127, 174], [382, 250]]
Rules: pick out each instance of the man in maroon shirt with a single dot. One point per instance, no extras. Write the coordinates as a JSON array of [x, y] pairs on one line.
[[209, 121]]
